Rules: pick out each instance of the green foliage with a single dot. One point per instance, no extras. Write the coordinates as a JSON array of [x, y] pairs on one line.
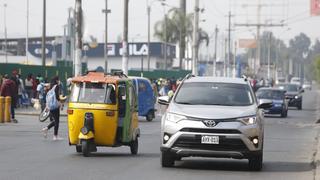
[[317, 68], [177, 24]]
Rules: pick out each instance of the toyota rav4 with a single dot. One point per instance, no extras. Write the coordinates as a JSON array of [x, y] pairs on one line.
[[213, 117]]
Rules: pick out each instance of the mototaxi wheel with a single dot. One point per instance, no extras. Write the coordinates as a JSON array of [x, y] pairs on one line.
[[85, 148], [134, 146]]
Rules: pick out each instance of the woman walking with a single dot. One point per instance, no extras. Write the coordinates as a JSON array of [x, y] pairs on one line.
[[53, 103]]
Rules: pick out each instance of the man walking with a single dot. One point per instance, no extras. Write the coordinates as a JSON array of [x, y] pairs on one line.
[[9, 88]]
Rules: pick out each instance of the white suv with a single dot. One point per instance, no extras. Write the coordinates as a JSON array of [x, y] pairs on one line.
[[213, 117]]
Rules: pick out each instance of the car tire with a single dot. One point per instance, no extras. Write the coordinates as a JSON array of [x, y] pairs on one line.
[[256, 162], [150, 116], [167, 160], [79, 149], [299, 106], [134, 146]]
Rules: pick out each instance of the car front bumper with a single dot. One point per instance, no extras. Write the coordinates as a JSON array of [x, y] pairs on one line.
[[234, 142]]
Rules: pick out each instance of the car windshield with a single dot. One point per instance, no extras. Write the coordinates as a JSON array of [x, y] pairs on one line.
[[288, 87], [206, 93], [93, 93], [270, 94]]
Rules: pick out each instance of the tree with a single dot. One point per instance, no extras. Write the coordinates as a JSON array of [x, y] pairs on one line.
[[175, 23]]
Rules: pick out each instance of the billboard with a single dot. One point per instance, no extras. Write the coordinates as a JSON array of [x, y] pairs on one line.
[[247, 43], [315, 7]]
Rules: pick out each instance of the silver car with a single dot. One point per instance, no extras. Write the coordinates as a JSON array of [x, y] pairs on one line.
[[213, 117]]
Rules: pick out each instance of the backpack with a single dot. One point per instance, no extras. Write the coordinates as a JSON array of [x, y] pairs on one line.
[[51, 99]]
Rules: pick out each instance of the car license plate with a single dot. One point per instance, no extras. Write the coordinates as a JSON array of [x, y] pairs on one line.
[[210, 140]]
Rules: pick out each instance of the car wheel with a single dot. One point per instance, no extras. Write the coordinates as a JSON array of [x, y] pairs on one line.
[[299, 106], [255, 162], [79, 149], [134, 146], [167, 160], [150, 116]]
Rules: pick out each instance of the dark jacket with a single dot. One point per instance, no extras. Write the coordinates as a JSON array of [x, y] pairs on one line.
[[9, 88]]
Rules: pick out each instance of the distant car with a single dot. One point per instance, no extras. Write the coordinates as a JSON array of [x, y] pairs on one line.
[[295, 80], [307, 85], [280, 80], [293, 94], [279, 102], [213, 117]]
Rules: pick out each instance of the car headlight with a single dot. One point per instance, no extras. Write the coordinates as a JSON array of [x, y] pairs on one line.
[[248, 120], [174, 117], [296, 97]]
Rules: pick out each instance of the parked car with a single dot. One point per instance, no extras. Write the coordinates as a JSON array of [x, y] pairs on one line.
[[146, 98], [280, 80], [293, 94], [307, 85], [279, 102], [295, 80], [213, 117]]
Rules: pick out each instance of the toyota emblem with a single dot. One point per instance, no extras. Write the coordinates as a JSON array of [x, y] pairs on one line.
[[209, 123]]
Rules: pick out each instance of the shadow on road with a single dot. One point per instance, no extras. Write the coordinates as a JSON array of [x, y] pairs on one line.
[[242, 165]]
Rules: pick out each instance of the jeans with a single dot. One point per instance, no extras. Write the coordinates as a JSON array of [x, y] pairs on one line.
[[12, 111], [55, 116]]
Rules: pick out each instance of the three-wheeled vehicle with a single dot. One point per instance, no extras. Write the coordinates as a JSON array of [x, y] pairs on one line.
[[146, 97], [103, 111]]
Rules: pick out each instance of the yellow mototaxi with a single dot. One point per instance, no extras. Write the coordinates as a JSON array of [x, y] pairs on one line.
[[103, 111]]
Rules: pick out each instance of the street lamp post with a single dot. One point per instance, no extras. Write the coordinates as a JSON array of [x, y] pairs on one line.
[[125, 55], [106, 11], [5, 32], [27, 37], [43, 54], [195, 38], [149, 31]]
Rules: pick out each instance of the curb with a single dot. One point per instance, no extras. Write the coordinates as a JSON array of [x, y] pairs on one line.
[[34, 114]]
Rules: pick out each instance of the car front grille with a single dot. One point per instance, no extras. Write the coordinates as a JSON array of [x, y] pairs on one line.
[[218, 131], [225, 144]]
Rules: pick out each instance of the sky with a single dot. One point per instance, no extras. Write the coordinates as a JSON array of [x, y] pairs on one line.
[[294, 12]]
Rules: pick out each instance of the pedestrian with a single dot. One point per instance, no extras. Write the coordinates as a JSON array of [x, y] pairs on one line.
[[28, 83], [41, 94], [9, 88], [20, 89], [53, 103]]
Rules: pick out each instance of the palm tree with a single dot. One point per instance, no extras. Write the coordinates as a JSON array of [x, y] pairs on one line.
[[175, 24]]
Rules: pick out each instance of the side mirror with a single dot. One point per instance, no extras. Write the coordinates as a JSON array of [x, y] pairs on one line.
[[265, 104], [164, 100], [302, 91]]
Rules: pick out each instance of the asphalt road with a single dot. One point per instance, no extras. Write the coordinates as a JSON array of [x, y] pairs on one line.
[[290, 145]]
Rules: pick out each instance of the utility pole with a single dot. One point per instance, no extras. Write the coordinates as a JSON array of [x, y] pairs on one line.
[[106, 11], [229, 45], [44, 24], [125, 55], [215, 51], [165, 42], [234, 60], [269, 53], [259, 25], [225, 58], [27, 37], [195, 38], [78, 53], [5, 32], [149, 13], [182, 34]]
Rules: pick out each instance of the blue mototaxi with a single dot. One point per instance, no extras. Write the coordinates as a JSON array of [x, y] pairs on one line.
[[146, 97]]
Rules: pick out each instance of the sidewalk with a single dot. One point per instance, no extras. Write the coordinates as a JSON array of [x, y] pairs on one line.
[[317, 155]]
